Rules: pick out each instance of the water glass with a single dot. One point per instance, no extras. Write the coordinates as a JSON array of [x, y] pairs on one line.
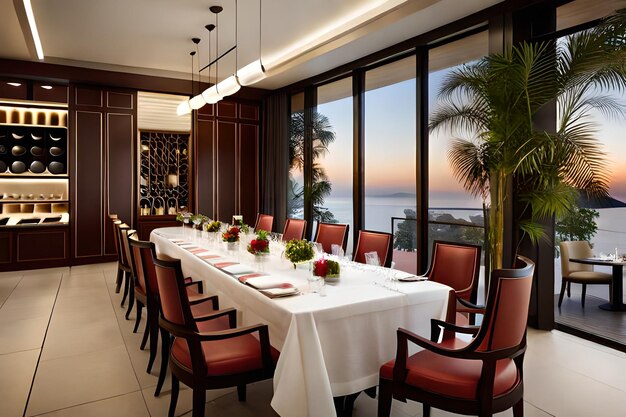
[[371, 258], [336, 250]]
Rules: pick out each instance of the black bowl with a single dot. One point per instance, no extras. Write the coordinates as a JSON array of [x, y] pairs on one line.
[[36, 151], [3, 167], [17, 167], [56, 151], [56, 167], [37, 167], [18, 150]]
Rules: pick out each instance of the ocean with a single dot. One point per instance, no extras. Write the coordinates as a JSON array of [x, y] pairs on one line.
[[611, 223]]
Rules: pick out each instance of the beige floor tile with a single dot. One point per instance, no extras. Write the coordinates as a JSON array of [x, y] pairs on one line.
[[7, 285], [18, 335], [16, 376], [74, 380], [128, 405], [72, 334], [103, 267], [158, 406]]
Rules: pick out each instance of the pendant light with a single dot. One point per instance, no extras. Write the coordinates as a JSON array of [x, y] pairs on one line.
[[210, 95], [184, 107], [254, 71], [231, 84], [197, 101]]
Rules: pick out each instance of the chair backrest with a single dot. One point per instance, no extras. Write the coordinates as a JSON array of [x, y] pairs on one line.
[[379, 242], [142, 265], [574, 249], [456, 265], [294, 229], [122, 254], [116, 238], [175, 306], [264, 222], [506, 311], [329, 234]]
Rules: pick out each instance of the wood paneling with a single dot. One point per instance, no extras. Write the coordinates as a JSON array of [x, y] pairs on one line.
[[207, 110], [226, 170], [204, 167], [6, 248], [120, 133], [147, 226], [42, 245], [248, 171], [87, 182], [249, 111], [18, 92], [117, 100], [86, 96], [57, 94], [227, 109]]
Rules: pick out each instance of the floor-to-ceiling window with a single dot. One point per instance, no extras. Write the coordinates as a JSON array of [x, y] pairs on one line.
[[390, 170], [453, 213], [295, 184], [331, 191]]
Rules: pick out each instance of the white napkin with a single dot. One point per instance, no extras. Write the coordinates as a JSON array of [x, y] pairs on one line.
[[238, 269], [266, 282]]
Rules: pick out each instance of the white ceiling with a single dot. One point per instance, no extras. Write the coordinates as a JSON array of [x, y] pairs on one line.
[[299, 38]]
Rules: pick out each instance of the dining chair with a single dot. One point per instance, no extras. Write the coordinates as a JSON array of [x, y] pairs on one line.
[[457, 265], [208, 359], [123, 266], [115, 222], [379, 242], [143, 254], [329, 234], [294, 229], [478, 377], [134, 287], [264, 222], [572, 272]]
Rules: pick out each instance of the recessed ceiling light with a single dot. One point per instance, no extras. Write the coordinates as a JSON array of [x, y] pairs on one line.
[[14, 84], [33, 28], [46, 87]]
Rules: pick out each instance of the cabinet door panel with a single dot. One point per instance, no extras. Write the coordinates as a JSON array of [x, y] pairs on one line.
[[88, 185], [248, 171], [205, 164], [41, 245], [226, 170], [120, 172]]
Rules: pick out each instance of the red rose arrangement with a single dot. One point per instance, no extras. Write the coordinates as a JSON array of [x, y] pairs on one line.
[[260, 245], [325, 268], [231, 235]]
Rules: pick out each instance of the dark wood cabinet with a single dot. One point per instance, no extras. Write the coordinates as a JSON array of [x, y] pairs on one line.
[[102, 172], [227, 180], [34, 247]]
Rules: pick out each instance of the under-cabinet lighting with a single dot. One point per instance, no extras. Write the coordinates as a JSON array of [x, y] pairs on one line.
[[33, 28], [46, 87], [14, 84]]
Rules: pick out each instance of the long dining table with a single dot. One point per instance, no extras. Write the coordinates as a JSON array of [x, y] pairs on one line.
[[331, 342]]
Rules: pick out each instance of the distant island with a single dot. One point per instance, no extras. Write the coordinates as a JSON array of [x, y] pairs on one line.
[[396, 195]]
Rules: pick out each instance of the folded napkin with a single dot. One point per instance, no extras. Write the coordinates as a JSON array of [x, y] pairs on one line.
[[408, 277], [244, 278], [280, 292], [265, 282], [197, 250], [237, 269], [207, 256], [222, 265]]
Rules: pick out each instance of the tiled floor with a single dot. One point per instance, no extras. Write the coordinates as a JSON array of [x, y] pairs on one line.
[[66, 350]]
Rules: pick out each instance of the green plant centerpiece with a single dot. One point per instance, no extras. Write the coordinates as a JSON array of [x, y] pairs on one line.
[[260, 245], [326, 268], [299, 251], [213, 226], [496, 102]]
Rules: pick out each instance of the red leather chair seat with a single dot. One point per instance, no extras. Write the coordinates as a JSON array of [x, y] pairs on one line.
[[451, 376], [225, 357]]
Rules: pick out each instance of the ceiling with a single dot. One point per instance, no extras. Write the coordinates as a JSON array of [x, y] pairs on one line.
[[299, 38]]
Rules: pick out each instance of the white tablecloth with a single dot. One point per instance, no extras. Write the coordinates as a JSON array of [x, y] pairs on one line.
[[330, 345]]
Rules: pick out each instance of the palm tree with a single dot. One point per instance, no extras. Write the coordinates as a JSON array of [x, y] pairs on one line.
[[496, 99], [321, 187]]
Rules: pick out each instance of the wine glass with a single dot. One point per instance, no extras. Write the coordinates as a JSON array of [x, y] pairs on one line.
[[337, 250], [371, 258]]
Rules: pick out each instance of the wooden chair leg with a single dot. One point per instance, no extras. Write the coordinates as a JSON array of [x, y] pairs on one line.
[[199, 400], [518, 409], [582, 298], [146, 334], [118, 280], [569, 289], [154, 340], [126, 288], [165, 353], [174, 396], [384, 398], [241, 392], [426, 410], [562, 293], [138, 319], [131, 301]]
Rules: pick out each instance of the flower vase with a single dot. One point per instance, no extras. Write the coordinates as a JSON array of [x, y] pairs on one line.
[[260, 259], [232, 246]]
